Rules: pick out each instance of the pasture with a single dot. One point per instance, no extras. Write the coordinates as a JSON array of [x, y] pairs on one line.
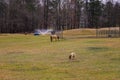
[[28, 57]]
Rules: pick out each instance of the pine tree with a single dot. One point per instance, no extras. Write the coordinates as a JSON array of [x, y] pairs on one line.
[[3, 11], [94, 13]]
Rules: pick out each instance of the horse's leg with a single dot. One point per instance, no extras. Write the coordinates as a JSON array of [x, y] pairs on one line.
[[58, 37], [73, 56], [51, 38], [70, 57], [55, 39]]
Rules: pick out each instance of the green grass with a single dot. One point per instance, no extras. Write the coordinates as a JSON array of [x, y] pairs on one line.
[[28, 57]]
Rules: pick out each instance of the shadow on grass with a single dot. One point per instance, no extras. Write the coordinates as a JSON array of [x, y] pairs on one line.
[[34, 68], [98, 49], [15, 52], [115, 59]]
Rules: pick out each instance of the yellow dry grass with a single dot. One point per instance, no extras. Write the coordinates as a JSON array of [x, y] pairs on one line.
[[28, 57]]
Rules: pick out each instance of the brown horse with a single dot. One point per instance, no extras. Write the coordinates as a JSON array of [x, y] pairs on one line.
[[55, 37]]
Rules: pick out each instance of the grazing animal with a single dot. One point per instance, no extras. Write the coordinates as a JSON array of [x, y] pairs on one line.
[[72, 56], [55, 37]]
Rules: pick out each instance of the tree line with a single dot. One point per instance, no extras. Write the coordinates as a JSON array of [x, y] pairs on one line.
[[19, 16]]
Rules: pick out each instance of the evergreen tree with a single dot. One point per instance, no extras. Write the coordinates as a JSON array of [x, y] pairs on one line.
[[94, 13], [79, 4], [3, 11], [108, 14], [116, 15]]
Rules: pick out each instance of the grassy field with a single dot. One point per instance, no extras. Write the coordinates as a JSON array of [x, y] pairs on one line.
[[28, 57]]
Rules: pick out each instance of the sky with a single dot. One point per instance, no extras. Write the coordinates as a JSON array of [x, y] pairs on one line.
[[88, 0], [113, 0]]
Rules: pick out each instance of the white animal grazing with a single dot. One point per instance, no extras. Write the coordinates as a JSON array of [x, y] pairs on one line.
[[72, 56]]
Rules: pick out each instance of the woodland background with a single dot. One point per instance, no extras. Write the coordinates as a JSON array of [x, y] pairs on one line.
[[19, 16]]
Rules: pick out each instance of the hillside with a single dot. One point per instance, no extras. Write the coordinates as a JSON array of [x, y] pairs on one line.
[[79, 33]]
